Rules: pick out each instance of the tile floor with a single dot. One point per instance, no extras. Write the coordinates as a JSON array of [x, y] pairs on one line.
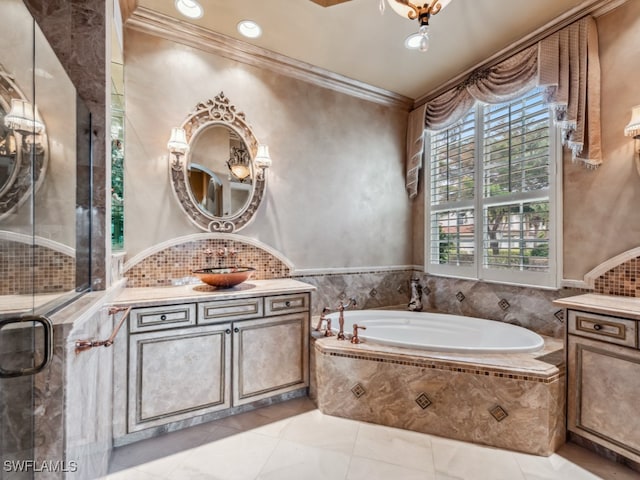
[[293, 440]]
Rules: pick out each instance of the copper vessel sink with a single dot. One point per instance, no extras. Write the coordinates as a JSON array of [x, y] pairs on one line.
[[224, 277]]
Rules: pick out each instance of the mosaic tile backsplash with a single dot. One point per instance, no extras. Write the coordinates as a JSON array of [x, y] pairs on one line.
[[174, 265], [622, 280], [26, 269]]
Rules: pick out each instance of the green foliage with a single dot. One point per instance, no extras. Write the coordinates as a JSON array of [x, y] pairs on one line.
[[117, 195]]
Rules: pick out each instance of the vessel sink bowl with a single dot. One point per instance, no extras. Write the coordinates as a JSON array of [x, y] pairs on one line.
[[224, 277]]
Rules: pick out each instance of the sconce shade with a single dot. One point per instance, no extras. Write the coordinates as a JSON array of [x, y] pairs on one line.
[[178, 142], [262, 160], [23, 117], [633, 129]]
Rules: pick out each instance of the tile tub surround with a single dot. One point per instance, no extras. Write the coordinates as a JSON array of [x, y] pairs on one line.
[[371, 289], [513, 401], [527, 307]]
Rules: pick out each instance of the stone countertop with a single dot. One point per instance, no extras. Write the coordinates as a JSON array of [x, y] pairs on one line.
[[628, 307], [545, 363], [147, 296]]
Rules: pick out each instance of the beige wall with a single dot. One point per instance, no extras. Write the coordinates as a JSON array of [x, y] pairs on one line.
[[335, 195], [601, 208]]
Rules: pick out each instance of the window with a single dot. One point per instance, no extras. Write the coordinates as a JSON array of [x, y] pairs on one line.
[[492, 198]]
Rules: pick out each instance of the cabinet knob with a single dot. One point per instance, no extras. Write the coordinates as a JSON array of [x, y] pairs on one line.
[[597, 327], [236, 329], [163, 317], [287, 303], [227, 331]]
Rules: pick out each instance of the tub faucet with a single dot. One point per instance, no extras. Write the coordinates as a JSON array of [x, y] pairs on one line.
[[341, 308], [323, 318], [355, 338]]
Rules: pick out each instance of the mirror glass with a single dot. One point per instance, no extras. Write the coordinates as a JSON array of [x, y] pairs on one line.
[[7, 150], [220, 171], [45, 172], [215, 181], [23, 139]]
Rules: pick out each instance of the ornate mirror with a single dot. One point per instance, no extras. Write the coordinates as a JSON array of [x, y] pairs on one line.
[[23, 144], [215, 173]]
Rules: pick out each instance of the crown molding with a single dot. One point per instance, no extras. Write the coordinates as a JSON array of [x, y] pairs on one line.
[[153, 23], [596, 8]]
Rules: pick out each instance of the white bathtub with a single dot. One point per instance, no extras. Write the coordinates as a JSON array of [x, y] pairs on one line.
[[438, 332]]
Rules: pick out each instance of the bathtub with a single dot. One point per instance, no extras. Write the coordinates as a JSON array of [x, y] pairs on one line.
[[439, 332]]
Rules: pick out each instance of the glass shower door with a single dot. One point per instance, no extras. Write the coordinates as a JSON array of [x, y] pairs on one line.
[[18, 334], [44, 227]]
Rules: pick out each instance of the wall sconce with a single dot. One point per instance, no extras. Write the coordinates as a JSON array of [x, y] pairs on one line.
[[633, 130], [178, 142], [262, 160], [23, 118]]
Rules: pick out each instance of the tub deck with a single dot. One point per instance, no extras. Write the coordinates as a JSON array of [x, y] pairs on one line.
[[514, 401]]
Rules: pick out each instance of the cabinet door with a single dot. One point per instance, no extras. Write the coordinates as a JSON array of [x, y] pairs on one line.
[[178, 374], [270, 356], [604, 388]]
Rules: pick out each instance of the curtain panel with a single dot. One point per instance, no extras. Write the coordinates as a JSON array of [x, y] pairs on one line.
[[566, 64]]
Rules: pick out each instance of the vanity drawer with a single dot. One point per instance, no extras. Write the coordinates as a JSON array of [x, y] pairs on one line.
[[161, 318], [228, 310], [603, 327], [282, 304]]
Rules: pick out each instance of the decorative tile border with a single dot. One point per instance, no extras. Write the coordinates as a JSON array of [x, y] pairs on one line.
[[450, 366]]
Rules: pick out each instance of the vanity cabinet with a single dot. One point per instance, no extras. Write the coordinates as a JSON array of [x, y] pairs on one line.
[[175, 374], [195, 361], [603, 360], [270, 355]]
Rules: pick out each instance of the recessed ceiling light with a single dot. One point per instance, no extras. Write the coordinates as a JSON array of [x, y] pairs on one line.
[[190, 8], [249, 29]]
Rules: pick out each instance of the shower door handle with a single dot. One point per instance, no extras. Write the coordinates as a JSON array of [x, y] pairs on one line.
[[48, 345]]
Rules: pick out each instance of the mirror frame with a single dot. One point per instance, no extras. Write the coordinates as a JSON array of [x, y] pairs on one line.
[[219, 111], [19, 187]]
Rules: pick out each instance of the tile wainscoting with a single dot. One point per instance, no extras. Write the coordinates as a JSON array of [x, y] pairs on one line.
[[512, 401]]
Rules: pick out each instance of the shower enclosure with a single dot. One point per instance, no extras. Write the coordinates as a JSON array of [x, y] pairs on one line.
[[45, 225]]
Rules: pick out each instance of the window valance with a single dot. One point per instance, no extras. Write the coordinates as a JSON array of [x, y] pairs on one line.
[[566, 64]]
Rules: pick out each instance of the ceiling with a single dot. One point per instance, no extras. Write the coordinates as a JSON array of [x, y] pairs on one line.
[[353, 39]]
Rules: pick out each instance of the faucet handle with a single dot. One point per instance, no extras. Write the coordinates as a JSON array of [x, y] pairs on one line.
[[355, 338], [328, 332], [322, 318]]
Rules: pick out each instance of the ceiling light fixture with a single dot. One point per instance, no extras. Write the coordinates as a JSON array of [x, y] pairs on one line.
[[422, 13], [189, 8], [249, 29]]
